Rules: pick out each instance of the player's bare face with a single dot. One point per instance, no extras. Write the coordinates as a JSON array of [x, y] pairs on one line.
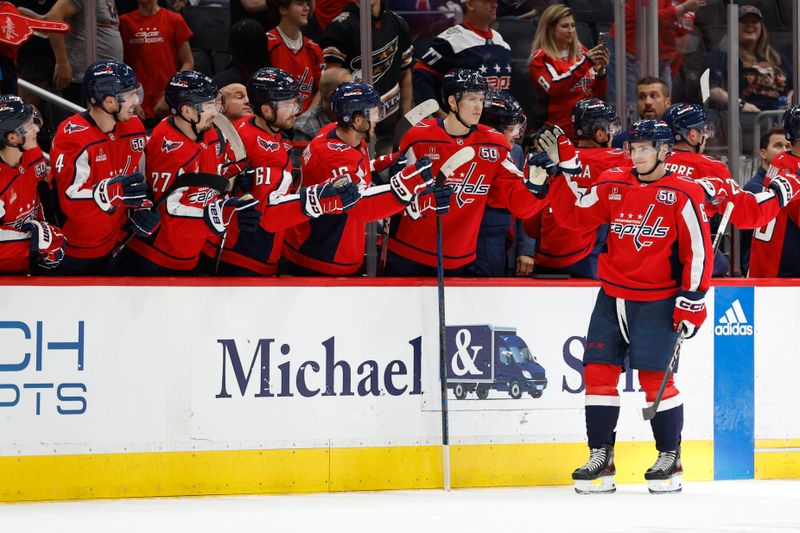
[[564, 32], [470, 108], [652, 101], [645, 156], [29, 130], [287, 111], [777, 145], [236, 103], [127, 104]]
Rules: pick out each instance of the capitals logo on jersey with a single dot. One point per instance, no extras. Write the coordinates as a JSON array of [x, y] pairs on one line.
[[338, 147], [466, 186], [269, 146], [74, 128], [169, 146], [639, 227]]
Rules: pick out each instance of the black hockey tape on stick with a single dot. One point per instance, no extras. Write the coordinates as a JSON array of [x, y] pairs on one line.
[[191, 179], [649, 412]]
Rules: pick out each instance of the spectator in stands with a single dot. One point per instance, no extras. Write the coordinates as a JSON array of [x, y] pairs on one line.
[[764, 74], [156, 44], [237, 105], [652, 101], [676, 19], [391, 60], [562, 70], [308, 124], [248, 45], [70, 50], [35, 61], [471, 44], [772, 143], [257, 10], [289, 50]]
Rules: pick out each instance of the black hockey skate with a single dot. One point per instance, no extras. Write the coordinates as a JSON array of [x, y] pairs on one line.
[[664, 476], [597, 475]]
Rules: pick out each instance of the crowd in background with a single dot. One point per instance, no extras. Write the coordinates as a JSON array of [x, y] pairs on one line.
[[548, 55]]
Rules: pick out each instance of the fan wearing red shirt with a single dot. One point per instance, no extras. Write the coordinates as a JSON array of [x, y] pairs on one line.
[[289, 50], [562, 70], [156, 43]]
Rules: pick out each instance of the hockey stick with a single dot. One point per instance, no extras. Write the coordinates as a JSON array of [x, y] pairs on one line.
[[705, 91], [192, 179], [232, 136], [417, 114], [649, 412], [456, 160]]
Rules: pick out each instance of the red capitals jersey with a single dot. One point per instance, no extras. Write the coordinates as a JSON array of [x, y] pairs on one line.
[[557, 246], [268, 156], [334, 244], [561, 83], [180, 237], [305, 64], [151, 44], [658, 238], [775, 248], [82, 156], [750, 211], [491, 176], [19, 203]]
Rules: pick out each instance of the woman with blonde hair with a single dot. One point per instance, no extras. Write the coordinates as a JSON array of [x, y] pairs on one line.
[[563, 71], [764, 73]]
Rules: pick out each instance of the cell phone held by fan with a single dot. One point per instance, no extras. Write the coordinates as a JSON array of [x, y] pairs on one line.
[[603, 38]]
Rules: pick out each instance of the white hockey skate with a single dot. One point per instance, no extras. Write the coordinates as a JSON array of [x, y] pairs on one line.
[[597, 475], [664, 477]]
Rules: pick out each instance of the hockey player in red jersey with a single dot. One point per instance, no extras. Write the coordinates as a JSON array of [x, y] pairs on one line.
[[690, 126], [94, 159], [186, 142], [563, 250], [775, 248], [23, 229], [653, 277], [491, 175], [275, 97], [334, 244]]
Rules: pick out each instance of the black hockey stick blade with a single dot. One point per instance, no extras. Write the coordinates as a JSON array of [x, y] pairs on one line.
[[648, 413]]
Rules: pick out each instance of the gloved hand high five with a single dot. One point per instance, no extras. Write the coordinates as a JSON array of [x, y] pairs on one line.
[[411, 180], [329, 198], [716, 192], [558, 148], [48, 241], [540, 173], [690, 312], [785, 187], [219, 213], [122, 191], [433, 200]]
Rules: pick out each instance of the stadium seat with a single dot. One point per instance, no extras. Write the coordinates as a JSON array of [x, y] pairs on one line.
[[592, 11], [202, 63], [585, 34], [209, 25]]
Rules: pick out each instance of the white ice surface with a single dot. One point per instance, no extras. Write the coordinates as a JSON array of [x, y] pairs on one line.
[[721, 506]]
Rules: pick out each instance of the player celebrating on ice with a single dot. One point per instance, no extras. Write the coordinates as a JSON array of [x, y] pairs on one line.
[[276, 100], [490, 175], [654, 277], [22, 166], [95, 157], [334, 245], [186, 143]]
